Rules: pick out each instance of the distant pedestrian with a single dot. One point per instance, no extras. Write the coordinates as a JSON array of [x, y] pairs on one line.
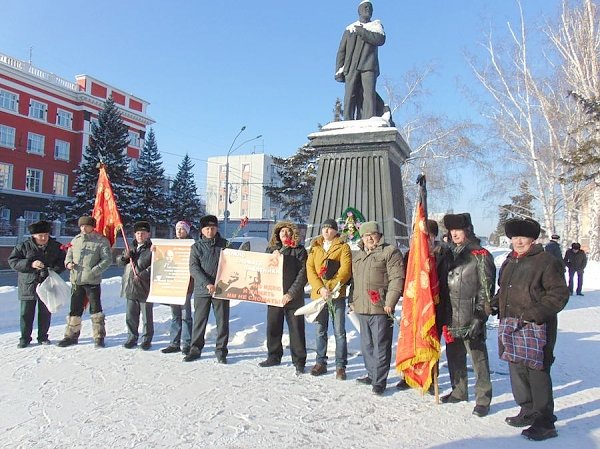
[[87, 258], [575, 260], [553, 247], [135, 287], [32, 259]]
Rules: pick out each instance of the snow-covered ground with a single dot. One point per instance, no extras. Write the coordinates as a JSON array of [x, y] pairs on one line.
[[84, 397]]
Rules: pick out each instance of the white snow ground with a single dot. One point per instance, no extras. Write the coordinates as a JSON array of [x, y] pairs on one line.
[[84, 397]]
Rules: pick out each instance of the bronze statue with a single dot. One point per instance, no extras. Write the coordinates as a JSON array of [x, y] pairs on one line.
[[357, 64]]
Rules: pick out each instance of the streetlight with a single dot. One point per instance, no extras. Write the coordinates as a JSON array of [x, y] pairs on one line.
[[231, 150]]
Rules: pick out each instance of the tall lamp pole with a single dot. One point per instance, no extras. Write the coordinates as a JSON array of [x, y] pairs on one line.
[[231, 150]]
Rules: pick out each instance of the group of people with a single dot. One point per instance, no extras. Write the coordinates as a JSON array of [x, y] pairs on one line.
[[370, 281], [574, 261]]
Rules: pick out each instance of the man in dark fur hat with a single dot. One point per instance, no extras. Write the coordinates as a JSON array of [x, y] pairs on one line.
[[204, 261], [32, 259], [532, 292], [471, 278]]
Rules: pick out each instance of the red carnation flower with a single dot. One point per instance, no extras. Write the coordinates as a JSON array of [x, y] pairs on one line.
[[374, 296], [65, 247], [322, 271], [289, 242], [244, 222]]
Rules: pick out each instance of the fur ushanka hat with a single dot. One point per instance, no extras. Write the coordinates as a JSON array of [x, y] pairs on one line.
[[519, 227], [40, 227], [141, 226], [209, 220], [85, 220], [458, 221]]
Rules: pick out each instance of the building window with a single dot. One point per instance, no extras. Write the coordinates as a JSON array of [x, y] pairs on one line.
[[64, 119], [7, 136], [134, 139], [6, 171], [61, 150], [61, 184], [245, 168], [8, 100], [5, 215], [35, 143], [31, 216], [37, 110], [33, 180]]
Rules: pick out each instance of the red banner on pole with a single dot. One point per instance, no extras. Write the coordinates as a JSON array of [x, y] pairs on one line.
[[418, 343], [108, 219]]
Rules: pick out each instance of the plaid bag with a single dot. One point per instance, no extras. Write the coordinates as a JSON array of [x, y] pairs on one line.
[[522, 342]]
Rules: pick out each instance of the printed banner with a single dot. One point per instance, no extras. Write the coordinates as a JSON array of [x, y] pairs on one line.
[[250, 276], [170, 271]]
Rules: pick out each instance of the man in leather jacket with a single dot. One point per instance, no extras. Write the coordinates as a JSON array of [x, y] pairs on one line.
[[471, 279]]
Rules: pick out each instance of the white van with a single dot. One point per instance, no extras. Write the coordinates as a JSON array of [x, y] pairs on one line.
[[256, 244]]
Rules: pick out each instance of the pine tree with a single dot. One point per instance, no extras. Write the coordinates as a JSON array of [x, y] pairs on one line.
[[298, 175], [521, 206], [108, 143], [54, 209], [185, 203], [149, 195]]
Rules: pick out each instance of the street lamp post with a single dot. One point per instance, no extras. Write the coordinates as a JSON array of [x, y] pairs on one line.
[[231, 150]]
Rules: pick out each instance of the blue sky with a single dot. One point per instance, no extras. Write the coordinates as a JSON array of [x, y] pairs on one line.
[[208, 68]]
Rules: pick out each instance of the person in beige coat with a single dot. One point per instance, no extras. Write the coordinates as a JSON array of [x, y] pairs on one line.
[[87, 258], [378, 282], [329, 267]]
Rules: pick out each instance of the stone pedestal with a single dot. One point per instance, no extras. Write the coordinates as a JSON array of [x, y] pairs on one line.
[[360, 167]]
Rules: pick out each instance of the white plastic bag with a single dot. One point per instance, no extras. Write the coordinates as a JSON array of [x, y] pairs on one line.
[[311, 310], [54, 292]]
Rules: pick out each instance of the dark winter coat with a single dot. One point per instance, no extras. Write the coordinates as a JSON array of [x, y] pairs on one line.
[[136, 287], [381, 270], [204, 261], [294, 264], [554, 248], [575, 261], [443, 261], [533, 288], [468, 289], [27, 252]]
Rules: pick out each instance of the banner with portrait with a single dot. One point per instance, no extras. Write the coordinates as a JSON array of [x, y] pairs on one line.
[[170, 271], [250, 276]]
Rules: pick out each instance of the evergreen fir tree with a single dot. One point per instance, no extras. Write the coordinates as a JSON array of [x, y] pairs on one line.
[[108, 143], [150, 196], [54, 210], [521, 206], [298, 175], [185, 203]]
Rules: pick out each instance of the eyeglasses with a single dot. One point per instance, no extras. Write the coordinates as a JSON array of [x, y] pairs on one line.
[[370, 235]]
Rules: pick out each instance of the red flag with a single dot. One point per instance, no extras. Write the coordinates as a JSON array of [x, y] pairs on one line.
[[108, 219], [418, 343]]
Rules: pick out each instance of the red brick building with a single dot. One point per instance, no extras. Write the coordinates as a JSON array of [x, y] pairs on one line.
[[45, 126]]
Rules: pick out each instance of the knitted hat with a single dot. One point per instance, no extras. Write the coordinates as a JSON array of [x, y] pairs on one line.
[[184, 225], [329, 223], [432, 227], [369, 227], [458, 221], [86, 220], [576, 246], [39, 227], [141, 226], [208, 220], [518, 227]]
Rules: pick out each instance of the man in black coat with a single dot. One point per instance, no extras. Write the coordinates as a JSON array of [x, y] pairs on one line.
[[32, 259], [575, 260], [471, 279], [136, 287], [204, 261], [553, 247], [532, 291]]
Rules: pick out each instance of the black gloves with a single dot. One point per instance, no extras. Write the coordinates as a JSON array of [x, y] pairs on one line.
[[475, 329]]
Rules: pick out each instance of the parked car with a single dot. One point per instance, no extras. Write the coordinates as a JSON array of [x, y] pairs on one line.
[[256, 244]]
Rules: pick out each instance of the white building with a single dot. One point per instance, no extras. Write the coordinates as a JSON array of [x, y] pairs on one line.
[[248, 174]]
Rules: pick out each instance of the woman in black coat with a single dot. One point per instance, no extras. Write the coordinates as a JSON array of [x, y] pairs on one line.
[[32, 259], [285, 240]]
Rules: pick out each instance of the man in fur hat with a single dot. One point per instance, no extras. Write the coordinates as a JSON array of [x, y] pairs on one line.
[[575, 260], [285, 240], [87, 258], [378, 281], [204, 261], [532, 292], [471, 278], [32, 259], [135, 287]]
